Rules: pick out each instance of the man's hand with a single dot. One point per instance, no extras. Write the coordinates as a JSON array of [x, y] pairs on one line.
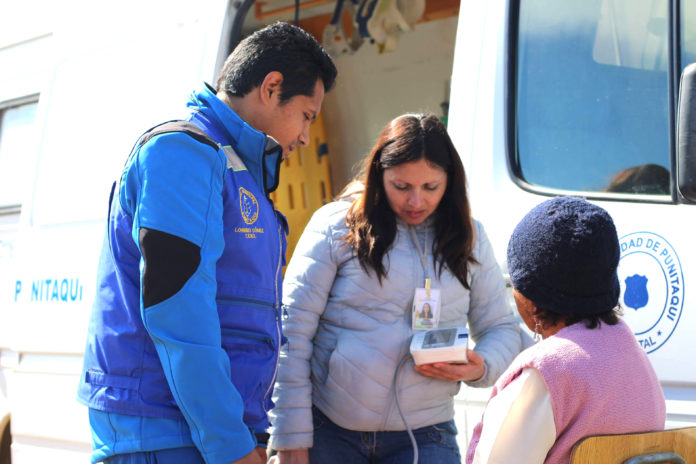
[[473, 370], [257, 456], [299, 456], [262, 453]]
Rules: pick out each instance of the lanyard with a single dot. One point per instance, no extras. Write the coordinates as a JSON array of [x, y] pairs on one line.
[[422, 255]]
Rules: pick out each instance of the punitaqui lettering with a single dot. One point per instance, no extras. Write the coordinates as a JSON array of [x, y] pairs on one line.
[[51, 289]]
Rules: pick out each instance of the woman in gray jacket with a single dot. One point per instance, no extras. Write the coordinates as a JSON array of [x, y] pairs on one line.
[[403, 232]]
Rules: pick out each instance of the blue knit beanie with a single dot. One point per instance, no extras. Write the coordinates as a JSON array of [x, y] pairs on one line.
[[563, 256]]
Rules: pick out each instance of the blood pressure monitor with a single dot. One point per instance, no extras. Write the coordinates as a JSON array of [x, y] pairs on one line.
[[440, 345]]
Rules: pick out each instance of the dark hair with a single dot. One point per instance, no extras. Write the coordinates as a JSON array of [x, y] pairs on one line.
[[279, 47], [609, 317], [370, 219], [646, 178]]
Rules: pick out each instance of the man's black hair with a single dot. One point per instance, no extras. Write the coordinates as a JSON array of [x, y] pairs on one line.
[[279, 47]]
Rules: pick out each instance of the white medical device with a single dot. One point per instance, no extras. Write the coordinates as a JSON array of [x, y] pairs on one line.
[[440, 345]]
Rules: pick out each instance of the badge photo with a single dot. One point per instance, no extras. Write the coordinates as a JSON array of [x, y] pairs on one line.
[[426, 309]]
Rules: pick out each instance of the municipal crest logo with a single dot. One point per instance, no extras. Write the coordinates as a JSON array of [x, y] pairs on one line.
[[652, 288], [636, 293], [248, 206]]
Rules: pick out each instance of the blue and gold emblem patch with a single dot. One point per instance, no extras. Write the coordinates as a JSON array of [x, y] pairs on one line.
[[248, 206]]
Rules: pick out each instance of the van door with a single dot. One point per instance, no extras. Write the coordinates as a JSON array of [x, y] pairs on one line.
[[578, 97]]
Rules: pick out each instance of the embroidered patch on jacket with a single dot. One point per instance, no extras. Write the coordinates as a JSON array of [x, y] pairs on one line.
[[248, 205]]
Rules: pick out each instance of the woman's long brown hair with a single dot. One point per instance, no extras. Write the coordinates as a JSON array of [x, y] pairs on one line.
[[371, 221]]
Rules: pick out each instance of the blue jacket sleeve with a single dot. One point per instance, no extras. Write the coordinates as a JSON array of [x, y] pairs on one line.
[[174, 186]]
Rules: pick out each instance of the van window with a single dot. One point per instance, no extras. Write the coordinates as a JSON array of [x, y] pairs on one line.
[[17, 146], [592, 96]]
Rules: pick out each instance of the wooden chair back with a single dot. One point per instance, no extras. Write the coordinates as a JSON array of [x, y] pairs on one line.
[[637, 448]]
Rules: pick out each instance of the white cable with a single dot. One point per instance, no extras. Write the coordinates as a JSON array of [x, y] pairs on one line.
[[401, 413]]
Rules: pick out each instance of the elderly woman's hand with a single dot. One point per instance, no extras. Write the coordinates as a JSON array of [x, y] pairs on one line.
[[473, 370], [297, 456]]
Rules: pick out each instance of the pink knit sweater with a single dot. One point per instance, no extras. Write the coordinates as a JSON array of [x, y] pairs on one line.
[[600, 382]]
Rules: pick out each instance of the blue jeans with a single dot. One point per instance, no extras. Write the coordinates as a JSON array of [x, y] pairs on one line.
[[437, 444], [188, 455]]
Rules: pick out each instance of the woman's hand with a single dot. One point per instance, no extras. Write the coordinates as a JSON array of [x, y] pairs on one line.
[[300, 456], [473, 370]]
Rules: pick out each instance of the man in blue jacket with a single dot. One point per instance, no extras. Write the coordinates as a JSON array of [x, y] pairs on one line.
[[183, 341]]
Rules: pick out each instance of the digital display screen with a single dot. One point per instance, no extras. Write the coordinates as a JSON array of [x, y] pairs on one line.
[[438, 338]]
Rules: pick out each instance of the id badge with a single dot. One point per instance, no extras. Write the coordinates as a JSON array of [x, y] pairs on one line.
[[426, 309]]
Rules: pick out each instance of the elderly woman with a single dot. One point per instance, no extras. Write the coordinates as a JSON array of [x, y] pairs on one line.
[[587, 375]]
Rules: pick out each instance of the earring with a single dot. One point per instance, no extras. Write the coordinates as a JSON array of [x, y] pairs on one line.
[[537, 335]]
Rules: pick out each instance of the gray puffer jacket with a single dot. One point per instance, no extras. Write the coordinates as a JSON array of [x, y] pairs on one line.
[[347, 333]]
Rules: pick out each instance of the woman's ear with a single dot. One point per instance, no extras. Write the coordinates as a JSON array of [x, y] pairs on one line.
[[537, 322]]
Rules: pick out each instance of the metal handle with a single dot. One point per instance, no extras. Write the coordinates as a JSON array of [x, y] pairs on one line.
[[658, 458]]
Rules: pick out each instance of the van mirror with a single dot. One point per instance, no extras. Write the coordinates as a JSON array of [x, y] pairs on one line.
[[686, 134]]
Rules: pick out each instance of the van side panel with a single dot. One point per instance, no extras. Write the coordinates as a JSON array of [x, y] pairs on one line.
[[654, 235]]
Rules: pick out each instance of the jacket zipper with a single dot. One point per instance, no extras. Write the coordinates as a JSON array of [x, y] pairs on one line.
[[280, 261], [276, 306]]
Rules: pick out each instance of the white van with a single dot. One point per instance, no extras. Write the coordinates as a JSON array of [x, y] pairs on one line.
[[547, 98]]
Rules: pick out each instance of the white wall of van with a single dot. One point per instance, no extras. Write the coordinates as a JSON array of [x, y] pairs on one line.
[[104, 72]]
